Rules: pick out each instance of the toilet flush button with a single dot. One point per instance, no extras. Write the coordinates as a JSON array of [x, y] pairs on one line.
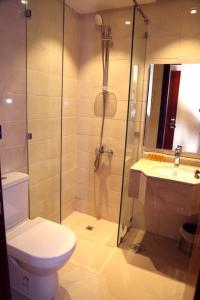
[[25, 282]]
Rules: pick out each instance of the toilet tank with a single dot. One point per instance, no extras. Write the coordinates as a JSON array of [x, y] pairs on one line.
[[15, 198]]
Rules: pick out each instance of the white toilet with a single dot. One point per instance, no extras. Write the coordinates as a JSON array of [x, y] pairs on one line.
[[36, 248]]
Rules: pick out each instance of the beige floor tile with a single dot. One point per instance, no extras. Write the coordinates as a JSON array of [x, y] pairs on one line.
[[97, 271], [91, 255], [104, 232], [159, 254], [76, 283], [93, 289], [127, 282], [72, 274], [63, 294], [75, 220]]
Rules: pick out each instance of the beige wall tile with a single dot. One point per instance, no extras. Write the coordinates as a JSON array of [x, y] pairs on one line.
[[44, 170], [42, 150], [68, 144], [68, 126], [82, 81], [44, 88], [68, 161], [13, 146], [51, 107]]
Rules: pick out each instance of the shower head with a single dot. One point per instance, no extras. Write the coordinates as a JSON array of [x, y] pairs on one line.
[[105, 29], [99, 20]]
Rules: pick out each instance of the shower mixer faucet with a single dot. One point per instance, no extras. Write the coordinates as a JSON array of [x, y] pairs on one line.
[[178, 151], [103, 150], [99, 152]]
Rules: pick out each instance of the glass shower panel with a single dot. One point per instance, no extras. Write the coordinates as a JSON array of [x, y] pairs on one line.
[[44, 89], [69, 108], [134, 120], [13, 144], [93, 137]]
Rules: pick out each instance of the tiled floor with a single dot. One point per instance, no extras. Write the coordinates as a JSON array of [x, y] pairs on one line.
[[98, 270], [159, 254]]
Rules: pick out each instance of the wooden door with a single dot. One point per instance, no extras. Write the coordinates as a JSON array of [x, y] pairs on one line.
[[170, 120], [4, 272]]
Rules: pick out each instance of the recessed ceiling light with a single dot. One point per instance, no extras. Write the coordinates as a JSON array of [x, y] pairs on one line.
[[194, 11], [24, 2], [127, 22]]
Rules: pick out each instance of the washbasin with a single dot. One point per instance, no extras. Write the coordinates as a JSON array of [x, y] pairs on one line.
[[171, 171], [164, 187]]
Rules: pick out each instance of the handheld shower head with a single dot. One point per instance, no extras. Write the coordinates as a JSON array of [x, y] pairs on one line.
[[105, 29], [99, 20]]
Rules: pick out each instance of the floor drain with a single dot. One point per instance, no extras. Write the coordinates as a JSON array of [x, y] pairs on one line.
[[137, 248], [89, 228]]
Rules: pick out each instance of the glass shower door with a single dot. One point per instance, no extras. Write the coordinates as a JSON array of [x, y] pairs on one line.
[[134, 127], [13, 123], [44, 100]]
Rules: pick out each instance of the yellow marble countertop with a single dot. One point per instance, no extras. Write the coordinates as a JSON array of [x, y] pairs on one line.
[[167, 170]]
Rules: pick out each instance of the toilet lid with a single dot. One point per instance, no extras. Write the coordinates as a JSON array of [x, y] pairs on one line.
[[41, 240]]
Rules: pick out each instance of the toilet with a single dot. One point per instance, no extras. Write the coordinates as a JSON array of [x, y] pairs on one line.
[[37, 248]]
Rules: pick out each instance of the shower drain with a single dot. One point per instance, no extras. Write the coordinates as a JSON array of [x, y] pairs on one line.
[[137, 248], [89, 227]]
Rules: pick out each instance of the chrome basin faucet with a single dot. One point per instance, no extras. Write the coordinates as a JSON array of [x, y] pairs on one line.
[[178, 151]]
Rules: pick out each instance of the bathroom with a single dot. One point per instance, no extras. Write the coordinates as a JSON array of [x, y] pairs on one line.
[[91, 152]]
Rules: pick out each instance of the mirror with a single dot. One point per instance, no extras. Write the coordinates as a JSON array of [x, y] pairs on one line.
[[173, 107]]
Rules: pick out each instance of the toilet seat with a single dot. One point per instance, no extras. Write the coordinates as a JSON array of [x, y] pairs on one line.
[[40, 243]]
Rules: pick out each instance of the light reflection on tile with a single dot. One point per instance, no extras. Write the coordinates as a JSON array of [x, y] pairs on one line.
[[97, 271]]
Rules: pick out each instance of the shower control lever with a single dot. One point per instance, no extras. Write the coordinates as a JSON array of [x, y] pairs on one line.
[[103, 150], [109, 152], [197, 174]]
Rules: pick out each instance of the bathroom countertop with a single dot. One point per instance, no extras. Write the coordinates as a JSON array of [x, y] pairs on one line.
[[162, 170]]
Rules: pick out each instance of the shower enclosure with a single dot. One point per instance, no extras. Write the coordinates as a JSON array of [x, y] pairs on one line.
[[68, 105], [46, 119], [77, 98]]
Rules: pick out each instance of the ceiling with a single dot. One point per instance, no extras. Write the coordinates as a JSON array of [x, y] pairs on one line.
[[88, 6]]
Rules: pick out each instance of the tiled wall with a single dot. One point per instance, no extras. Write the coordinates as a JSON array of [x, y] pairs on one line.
[[13, 146], [45, 36], [99, 193], [173, 32], [174, 37]]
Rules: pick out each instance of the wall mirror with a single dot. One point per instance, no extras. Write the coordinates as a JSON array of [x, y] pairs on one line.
[[173, 107]]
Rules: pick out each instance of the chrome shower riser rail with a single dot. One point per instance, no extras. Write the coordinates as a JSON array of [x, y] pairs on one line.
[[105, 38], [140, 11]]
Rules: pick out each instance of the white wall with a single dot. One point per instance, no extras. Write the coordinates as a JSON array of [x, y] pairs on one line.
[[187, 132]]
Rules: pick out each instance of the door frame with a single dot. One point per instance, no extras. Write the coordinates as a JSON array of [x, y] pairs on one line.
[[5, 292]]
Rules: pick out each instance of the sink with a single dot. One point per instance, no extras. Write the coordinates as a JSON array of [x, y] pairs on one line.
[[166, 195], [167, 170], [162, 186], [170, 171]]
